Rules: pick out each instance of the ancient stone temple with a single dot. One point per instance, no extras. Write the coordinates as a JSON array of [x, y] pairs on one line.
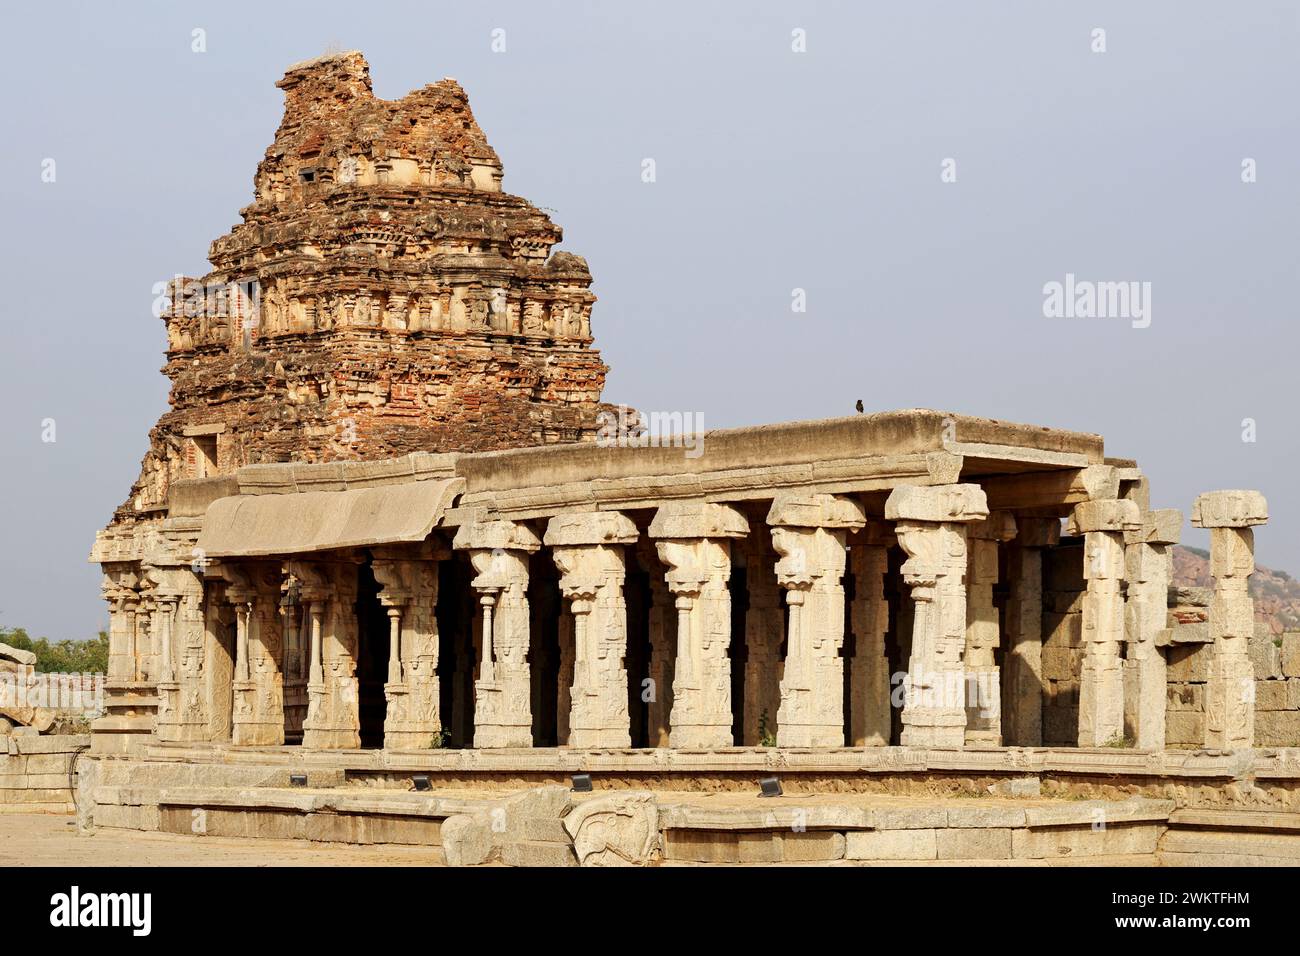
[[381, 295], [378, 529]]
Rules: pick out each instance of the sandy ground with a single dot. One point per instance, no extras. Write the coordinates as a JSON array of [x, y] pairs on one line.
[[37, 839]]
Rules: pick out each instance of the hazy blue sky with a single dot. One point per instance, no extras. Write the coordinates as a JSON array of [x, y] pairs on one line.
[[776, 170]]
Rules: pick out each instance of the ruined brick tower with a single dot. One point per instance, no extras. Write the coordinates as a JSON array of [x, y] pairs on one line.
[[381, 296]]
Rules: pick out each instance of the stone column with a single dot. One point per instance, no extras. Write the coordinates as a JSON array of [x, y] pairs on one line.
[[119, 589], [663, 645], [394, 574], [983, 632], [693, 539], [258, 718], [930, 522], [499, 552], [240, 595], [1022, 720], [168, 688], [333, 719], [1230, 690], [1101, 681], [764, 631], [564, 690], [168, 594], [266, 724], [294, 658], [588, 551], [869, 723], [316, 611], [144, 649], [409, 589], [808, 532], [1149, 570], [295, 634]]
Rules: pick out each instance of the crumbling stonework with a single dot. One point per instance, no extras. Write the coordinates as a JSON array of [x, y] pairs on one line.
[[382, 295]]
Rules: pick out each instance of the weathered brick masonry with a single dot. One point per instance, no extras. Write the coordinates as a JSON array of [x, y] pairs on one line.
[[382, 295]]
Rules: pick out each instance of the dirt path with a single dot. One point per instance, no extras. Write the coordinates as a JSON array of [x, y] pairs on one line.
[[35, 839]]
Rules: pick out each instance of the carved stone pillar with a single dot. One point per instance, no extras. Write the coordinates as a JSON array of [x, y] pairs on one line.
[[564, 690], [123, 599], [294, 617], [265, 725], [930, 522], [1101, 681], [662, 627], [166, 683], [588, 551], [1230, 690], [146, 632], [764, 631], [1149, 570], [693, 540], [240, 595], [254, 591], [869, 618], [983, 632], [1022, 692], [130, 701], [333, 719], [182, 710], [808, 532], [394, 575], [499, 552]]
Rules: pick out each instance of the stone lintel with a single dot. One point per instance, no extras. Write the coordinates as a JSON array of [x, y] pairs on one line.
[[816, 511], [1038, 532], [878, 534], [698, 519], [1229, 509], [998, 526], [1114, 515], [590, 528], [937, 504], [1163, 526], [1059, 489]]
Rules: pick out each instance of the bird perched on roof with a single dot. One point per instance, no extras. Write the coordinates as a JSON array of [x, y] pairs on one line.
[[859, 407]]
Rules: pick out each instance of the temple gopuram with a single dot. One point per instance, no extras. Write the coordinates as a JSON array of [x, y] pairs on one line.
[[378, 535]]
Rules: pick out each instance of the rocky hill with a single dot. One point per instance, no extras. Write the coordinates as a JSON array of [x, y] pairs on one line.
[[1276, 593]]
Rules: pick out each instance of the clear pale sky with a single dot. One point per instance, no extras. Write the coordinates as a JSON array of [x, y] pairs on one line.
[[776, 170]]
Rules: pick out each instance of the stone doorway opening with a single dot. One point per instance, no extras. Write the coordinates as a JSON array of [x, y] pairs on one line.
[[546, 605], [457, 661], [372, 658]]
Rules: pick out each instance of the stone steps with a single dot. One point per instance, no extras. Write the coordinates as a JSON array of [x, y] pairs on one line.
[[940, 832], [1231, 837]]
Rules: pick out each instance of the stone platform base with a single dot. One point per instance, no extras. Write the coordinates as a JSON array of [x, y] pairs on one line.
[[36, 771], [840, 807]]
